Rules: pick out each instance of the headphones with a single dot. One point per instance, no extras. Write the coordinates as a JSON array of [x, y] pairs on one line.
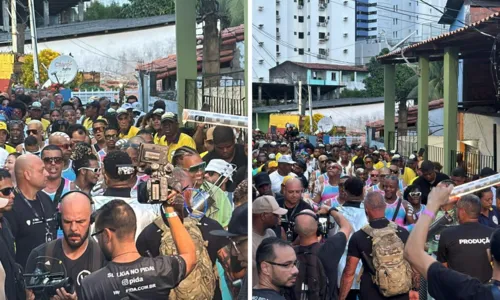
[[306, 213], [58, 212]]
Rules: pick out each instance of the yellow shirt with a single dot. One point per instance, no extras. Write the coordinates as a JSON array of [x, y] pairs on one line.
[[354, 158], [184, 140], [45, 123], [278, 155], [10, 149], [408, 176], [411, 181], [203, 154], [131, 133], [157, 140], [378, 165]]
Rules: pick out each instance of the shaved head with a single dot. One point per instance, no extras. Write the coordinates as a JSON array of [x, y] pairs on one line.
[[293, 183], [306, 225], [76, 200], [374, 201], [76, 211], [30, 172]]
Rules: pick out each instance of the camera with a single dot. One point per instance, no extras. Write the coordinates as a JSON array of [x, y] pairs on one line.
[[324, 225], [44, 284], [156, 189]]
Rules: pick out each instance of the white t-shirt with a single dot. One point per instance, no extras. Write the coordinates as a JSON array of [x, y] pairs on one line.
[[256, 240], [277, 180]]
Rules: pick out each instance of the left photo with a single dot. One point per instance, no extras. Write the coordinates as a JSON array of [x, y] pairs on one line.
[[123, 149]]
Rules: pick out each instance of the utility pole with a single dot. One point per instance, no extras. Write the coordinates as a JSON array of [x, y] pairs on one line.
[[310, 108], [34, 42], [13, 15]]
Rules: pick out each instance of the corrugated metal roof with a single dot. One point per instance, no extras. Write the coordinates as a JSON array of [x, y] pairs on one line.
[[332, 67], [441, 37], [319, 104]]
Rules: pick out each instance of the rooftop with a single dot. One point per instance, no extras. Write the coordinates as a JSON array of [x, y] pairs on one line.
[[62, 31]]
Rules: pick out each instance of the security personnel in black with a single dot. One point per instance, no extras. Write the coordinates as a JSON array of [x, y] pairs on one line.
[[79, 254]]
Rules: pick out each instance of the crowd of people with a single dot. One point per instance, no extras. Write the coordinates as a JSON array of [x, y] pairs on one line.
[[339, 221], [73, 220]]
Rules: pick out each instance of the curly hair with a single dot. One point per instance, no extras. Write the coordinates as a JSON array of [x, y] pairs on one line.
[[81, 156]]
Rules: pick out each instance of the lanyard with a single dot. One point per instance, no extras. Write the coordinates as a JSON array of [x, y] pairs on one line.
[[32, 209]]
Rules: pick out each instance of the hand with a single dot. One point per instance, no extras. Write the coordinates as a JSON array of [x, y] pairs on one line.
[[414, 295], [30, 295], [63, 295], [440, 195], [323, 210]]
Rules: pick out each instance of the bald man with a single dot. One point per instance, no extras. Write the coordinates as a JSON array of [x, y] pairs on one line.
[[80, 254], [361, 244], [292, 201], [35, 128], [32, 216]]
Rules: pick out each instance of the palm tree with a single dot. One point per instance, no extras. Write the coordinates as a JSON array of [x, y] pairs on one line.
[[232, 12]]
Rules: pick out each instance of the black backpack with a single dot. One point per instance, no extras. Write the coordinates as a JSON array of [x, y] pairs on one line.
[[312, 282]]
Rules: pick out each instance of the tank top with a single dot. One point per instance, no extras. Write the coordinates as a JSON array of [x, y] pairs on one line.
[[102, 154], [66, 189], [329, 191], [391, 209]]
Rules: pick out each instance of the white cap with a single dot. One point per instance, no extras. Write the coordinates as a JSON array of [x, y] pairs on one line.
[[136, 106], [121, 111], [284, 144], [272, 156], [127, 106], [273, 143], [286, 159], [221, 167], [375, 152], [382, 149], [392, 152], [36, 105], [321, 145]]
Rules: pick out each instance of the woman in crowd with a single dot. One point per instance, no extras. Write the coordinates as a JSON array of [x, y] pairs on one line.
[[413, 195], [9, 165]]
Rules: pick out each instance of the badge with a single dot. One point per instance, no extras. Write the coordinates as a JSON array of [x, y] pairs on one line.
[[495, 220], [48, 237]]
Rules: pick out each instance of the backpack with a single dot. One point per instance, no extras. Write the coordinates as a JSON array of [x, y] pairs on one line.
[[393, 274], [312, 282], [200, 283]]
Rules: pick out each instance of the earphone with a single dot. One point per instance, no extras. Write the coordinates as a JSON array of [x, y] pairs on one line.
[[58, 212]]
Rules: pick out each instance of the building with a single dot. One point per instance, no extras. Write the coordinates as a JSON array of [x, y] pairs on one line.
[[312, 31], [325, 80], [461, 12]]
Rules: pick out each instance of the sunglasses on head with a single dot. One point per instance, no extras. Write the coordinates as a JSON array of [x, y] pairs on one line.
[[7, 191], [32, 131], [197, 168], [52, 160]]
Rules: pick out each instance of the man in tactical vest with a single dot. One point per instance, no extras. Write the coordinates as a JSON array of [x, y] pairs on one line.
[[156, 239]]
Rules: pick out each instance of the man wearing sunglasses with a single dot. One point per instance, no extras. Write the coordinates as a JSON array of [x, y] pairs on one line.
[[98, 127], [276, 264], [57, 186], [35, 129], [111, 137]]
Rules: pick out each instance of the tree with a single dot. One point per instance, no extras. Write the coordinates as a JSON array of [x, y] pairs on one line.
[[45, 57], [436, 82], [99, 11], [306, 128], [232, 13], [347, 93], [148, 8]]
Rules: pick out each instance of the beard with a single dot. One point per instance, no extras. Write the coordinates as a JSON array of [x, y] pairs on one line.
[[77, 245]]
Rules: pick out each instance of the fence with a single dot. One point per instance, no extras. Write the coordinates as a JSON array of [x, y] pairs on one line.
[[406, 145], [225, 93], [471, 162], [112, 94]]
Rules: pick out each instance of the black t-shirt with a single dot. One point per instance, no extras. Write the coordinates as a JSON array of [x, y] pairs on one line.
[[445, 284], [239, 159], [464, 246], [360, 242], [145, 278], [90, 261], [266, 294], [329, 254], [30, 231], [292, 212], [426, 187], [7, 258]]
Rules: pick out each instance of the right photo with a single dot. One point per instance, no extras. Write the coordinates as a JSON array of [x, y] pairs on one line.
[[375, 149]]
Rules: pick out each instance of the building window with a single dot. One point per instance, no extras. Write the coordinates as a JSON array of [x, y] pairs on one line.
[[417, 15], [277, 12], [301, 35], [409, 3], [301, 19], [301, 2], [334, 76], [277, 30], [277, 48], [322, 51], [301, 51], [314, 75], [295, 17], [417, 32], [321, 35], [295, 33], [322, 19], [409, 17]]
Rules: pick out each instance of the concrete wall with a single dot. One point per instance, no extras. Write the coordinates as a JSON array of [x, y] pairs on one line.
[[115, 54], [480, 128]]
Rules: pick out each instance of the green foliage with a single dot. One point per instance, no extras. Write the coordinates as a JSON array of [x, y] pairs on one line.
[[148, 8], [436, 77], [347, 93], [45, 57], [99, 11]]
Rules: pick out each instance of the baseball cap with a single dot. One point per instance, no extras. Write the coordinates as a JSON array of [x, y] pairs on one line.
[[396, 157], [120, 111], [382, 149], [93, 104], [169, 116], [376, 152], [301, 163], [273, 143], [210, 134], [321, 145], [127, 106], [412, 158], [158, 112], [286, 159], [284, 144], [267, 204], [238, 225], [93, 98], [221, 166], [272, 156], [392, 152], [261, 178], [3, 126], [359, 147], [137, 107], [36, 105]]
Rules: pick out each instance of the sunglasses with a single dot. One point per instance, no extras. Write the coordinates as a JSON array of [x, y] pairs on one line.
[[111, 137], [394, 171], [415, 194], [288, 265], [95, 170], [197, 168], [64, 146], [98, 129], [32, 131], [101, 231], [52, 160], [374, 175], [7, 191]]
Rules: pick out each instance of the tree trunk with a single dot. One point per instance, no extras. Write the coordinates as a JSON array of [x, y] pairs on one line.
[[211, 43], [402, 119]]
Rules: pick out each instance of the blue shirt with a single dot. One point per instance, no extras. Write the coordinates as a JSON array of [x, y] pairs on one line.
[[492, 219]]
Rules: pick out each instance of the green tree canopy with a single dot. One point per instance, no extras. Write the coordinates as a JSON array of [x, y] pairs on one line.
[[99, 11], [148, 8]]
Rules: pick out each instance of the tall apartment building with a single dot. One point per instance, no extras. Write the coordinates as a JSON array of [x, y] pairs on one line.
[[305, 31], [393, 20]]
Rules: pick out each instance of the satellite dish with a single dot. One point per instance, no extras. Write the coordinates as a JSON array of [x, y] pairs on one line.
[[62, 69], [325, 124]]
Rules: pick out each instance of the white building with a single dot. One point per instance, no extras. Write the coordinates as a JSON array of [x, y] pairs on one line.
[[388, 22], [312, 31]]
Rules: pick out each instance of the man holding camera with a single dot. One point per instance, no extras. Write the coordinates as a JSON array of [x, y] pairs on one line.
[[128, 274], [79, 254]]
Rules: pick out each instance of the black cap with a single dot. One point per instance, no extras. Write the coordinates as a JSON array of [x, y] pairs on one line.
[[93, 104], [261, 178], [238, 225], [301, 163], [485, 172]]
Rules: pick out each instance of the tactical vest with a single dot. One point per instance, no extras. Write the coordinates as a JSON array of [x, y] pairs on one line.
[[200, 283]]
